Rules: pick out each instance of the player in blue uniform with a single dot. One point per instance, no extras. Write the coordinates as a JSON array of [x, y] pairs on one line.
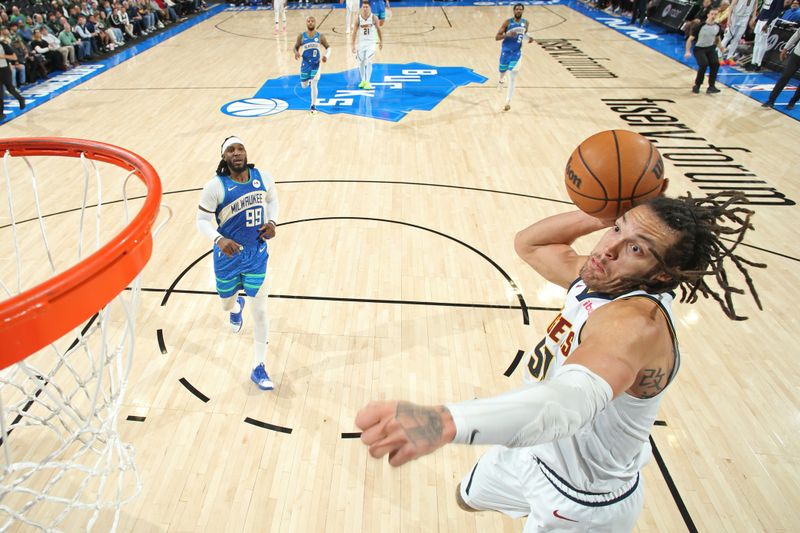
[[380, 8], [244, 204], [512, 33], [308, 46]]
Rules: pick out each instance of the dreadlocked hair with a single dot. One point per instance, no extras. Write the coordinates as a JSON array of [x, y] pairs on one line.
[[703, 226]]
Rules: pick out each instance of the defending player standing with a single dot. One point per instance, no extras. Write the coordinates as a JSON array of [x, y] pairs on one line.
[[363, 42], [512, 32]]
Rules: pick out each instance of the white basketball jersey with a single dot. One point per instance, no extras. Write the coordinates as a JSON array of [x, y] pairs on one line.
[[610, 450], [366, 32], [743, 8]]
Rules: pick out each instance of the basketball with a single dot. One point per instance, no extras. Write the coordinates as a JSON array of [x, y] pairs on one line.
[[612, 171]]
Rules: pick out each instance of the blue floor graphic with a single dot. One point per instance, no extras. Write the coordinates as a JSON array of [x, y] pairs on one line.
[[385, 102], [397, 90]]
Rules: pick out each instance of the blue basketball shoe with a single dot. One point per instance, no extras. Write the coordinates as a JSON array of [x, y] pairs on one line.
[[236, 318], [260, 377]]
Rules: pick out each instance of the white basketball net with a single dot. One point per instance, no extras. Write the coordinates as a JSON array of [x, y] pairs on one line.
[[63, 465]]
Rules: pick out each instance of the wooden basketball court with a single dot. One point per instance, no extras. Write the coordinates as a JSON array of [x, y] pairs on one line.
[[393, 274]]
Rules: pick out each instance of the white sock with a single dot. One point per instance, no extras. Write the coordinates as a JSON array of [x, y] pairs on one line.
[[314, 91], [231, 304], [362, 70], [503, 75], [347, 20], [368, 70], [259, 353], [258, 310], [511, 85]]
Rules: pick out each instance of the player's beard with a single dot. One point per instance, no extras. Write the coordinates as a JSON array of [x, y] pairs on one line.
[[237, 169]]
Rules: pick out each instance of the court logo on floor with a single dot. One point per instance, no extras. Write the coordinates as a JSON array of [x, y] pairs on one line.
[[397, 89]]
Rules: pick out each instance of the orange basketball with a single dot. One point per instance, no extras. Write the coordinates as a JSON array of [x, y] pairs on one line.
[[612, 171]]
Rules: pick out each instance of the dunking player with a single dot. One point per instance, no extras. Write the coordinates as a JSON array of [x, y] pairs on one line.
[[279, 7], [245, 205], [351, 10], [573, 440], [308, 45], [512, 32], [380, 8], [364, 30]]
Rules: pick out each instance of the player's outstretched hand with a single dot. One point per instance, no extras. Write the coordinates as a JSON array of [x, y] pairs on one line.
[[324, 59], [380, 45], [229, 247], [267, 231], [403, 430], [296, 54]]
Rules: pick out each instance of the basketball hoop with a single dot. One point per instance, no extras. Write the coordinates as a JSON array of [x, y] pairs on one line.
[[66, 343]]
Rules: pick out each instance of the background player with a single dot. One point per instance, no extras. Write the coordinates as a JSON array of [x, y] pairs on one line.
[[279, 7], [512, 32], [364, 30], [308, 45], [742, 14], [351, 8], [380, 9], [574, 438], [245, 204]]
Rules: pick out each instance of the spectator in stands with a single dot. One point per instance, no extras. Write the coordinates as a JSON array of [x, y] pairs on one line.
[[707, 38], [34, 63], [54, 60], [5, 76], [16, 16], [70, 42], [639, 12], [103, 22], [119, 19], [53, 26], [793, 13], [792, 51], [54, 44], [103, 40], [85, 39], [700, 10], [167, 8], [25, 29]]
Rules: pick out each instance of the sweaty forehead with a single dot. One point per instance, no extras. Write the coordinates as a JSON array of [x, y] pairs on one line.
[[644, 222]]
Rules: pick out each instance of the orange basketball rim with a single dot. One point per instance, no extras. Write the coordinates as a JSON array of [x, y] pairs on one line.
[[38, 316]]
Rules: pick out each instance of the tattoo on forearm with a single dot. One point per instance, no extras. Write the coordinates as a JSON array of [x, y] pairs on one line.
[[422, 425], [653, 381]]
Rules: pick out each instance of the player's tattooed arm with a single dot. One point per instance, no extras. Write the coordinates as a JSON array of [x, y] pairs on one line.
[[651, 382], [404, 431]]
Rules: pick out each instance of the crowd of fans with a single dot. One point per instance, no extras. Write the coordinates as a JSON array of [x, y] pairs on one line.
[[697, 15], [57, 36]]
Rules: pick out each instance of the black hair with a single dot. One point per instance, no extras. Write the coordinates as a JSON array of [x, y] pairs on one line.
[[709, 231], [518, 5]]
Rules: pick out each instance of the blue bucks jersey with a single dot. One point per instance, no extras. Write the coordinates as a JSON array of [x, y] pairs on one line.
[[514, 44], [310, 48], [243, 209]]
